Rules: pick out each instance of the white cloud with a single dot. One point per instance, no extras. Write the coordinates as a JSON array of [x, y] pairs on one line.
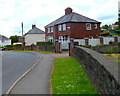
[[42, 12]]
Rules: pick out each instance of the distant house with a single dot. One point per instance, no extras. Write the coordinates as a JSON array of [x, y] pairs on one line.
[[4, 41], [71, 25], [113, 26], [21, 39], [34, 35]]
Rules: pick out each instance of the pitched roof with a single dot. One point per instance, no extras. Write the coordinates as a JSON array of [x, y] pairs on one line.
[[3, 38], [35, 30], [72, 17]]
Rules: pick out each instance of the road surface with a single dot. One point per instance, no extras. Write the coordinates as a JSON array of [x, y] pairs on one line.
[[14, 64]]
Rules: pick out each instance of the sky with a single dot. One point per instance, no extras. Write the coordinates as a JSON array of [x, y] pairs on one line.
[[43, 12]]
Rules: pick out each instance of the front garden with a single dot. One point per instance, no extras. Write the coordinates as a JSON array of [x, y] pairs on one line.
[[69, 77]]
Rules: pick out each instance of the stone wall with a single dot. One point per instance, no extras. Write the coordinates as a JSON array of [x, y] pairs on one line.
[[102, 71]]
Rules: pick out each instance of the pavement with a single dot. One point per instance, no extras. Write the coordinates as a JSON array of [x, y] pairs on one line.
[[37, 81], [14, 64]]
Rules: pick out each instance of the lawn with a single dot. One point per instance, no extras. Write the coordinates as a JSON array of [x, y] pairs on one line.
[[37, 51], [114, 56], [69, 77]]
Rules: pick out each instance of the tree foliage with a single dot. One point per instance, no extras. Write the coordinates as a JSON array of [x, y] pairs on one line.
[[14, 38], [105, 27]]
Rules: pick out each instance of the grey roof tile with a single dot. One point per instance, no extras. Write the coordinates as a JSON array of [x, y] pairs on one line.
[[35, 30], [3, 38], [72, 17]]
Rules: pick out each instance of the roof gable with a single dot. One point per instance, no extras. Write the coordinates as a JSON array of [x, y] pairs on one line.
[[35, 30], [3, 38]]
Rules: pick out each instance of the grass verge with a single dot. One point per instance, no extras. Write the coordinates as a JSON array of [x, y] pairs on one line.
[[47, 52], [69, 77], [114, 56]]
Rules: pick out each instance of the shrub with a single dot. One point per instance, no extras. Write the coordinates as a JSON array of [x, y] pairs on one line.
[[112, 43], [113, 49], [17, 45], [99, 45], [88, 46], [45, 43], [9, 47], [118, 43], [105, 34]]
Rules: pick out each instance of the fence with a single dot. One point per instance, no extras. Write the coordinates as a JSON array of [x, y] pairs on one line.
[[97, 41]]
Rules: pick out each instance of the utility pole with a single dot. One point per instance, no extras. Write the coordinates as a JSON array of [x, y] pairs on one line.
[[22, 28], [22, 36]]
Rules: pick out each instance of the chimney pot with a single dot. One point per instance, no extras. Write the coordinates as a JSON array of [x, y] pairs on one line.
[[33, 26], [68, 10]]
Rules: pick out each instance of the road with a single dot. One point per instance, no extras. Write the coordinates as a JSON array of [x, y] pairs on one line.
[[14, 64]]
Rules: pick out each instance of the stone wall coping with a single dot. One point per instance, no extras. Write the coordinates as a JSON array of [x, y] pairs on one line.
[[108, 63]]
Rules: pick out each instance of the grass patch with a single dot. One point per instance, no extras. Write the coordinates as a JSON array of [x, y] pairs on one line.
[[114, 56], [47, 52], [118, 60], [69, 77]]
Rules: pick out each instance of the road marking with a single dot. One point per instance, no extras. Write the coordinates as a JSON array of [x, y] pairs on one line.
[[10, 89]]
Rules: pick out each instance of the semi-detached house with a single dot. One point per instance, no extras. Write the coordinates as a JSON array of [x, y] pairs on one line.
[[71, 25]]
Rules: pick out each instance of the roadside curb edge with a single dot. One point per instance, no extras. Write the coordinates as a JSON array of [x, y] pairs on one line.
[[15, 83]]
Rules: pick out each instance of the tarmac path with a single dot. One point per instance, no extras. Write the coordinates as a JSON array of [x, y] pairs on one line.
[[37, 81]]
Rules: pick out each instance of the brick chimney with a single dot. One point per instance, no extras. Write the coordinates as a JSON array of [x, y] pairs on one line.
[[68, 10], [33, 26]]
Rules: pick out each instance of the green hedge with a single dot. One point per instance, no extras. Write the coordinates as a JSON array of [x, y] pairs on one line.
[[9, 47], [17, 45], [45, 43], [105, 34]]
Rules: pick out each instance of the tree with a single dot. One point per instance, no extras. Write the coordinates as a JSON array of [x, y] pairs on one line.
[[105, 27], [14, 39], [118, 23]]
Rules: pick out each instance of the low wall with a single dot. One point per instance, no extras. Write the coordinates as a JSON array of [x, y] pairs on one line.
[[36, 47], [102, 71]]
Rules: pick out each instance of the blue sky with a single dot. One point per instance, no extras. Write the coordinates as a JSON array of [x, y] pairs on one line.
[[42, 12]]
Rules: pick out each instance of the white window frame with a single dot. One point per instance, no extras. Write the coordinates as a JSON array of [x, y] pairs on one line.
[[95, 26], [52, 29], [48, 29], [88, 26], [59, 27], [64, 27]]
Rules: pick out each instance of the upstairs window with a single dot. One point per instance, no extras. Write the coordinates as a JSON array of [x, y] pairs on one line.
[[95, 26], [64, 27], [88, 26], [52, 29], [48, 30], [59, 27]]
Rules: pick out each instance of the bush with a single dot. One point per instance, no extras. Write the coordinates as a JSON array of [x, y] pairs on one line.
[[105, 34], [86, 46], [45, 43], [112, 43], [17, 45], [9, 47], [113, 49], [99, 45], [118, 43]]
